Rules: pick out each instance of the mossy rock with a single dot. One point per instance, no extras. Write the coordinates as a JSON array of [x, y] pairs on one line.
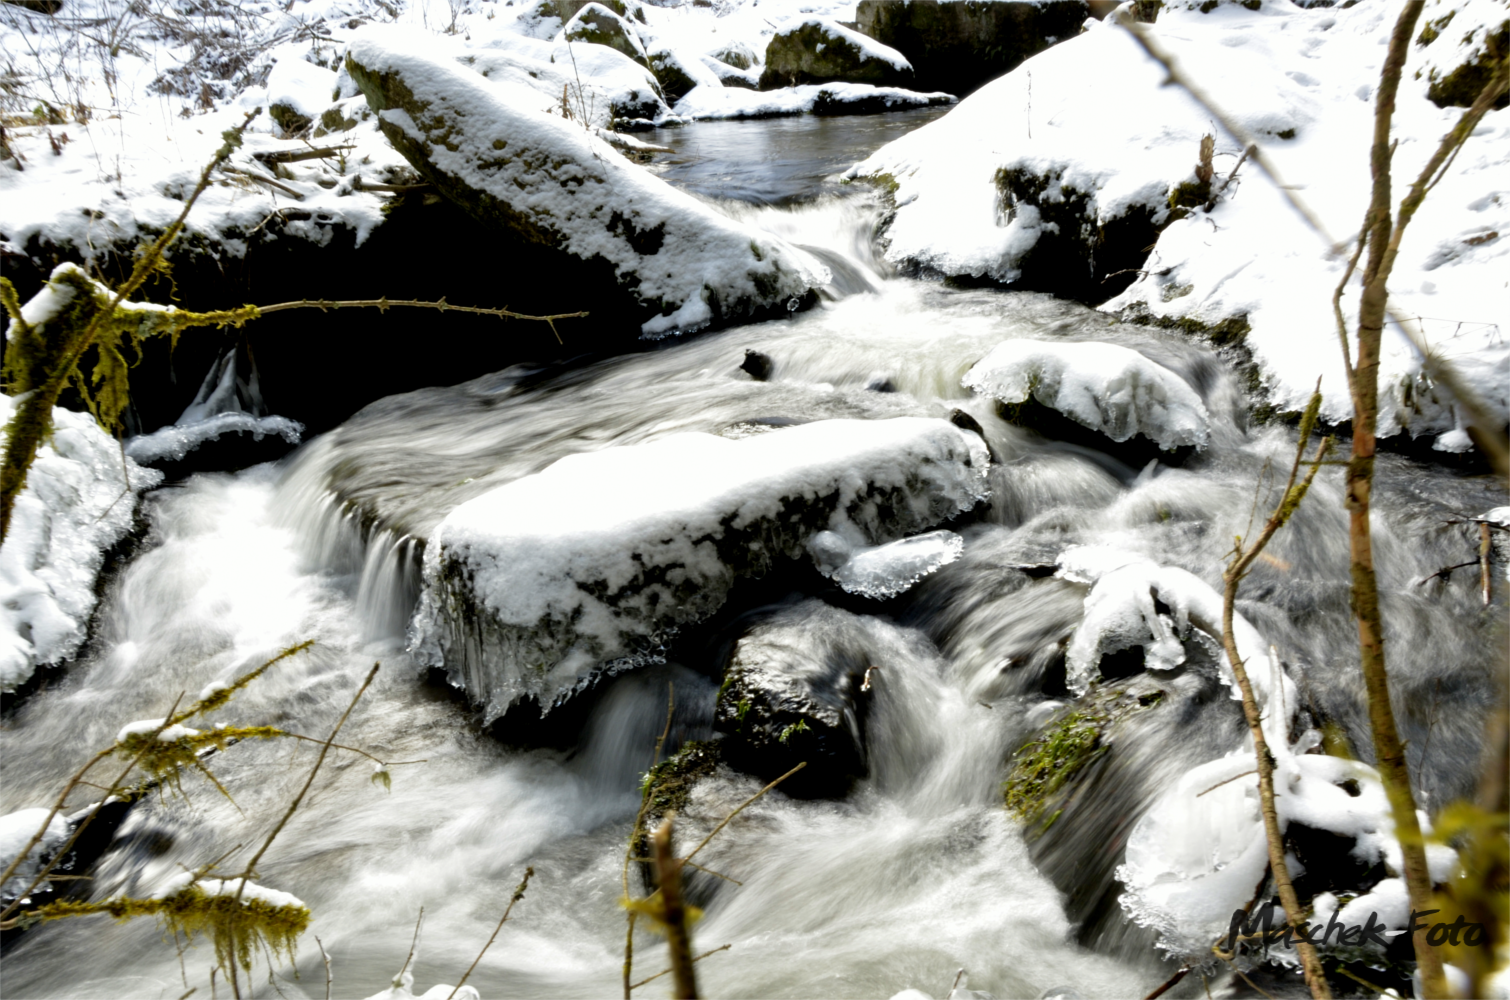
[[595, 24], [289, 120], [818, 51], [668, 783], [792, 694], [736, 54], [1459, 63], [676, 82], [956, 46]]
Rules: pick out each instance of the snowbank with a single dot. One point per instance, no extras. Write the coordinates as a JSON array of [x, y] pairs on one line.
[[76, 505], [1106, 387], [820, 50], [1049, 159], [551, 182], [530, 588]]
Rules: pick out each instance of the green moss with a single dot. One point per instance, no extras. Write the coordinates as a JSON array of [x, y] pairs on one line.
[[1078, 738], [1434, 29], [668, 783], [1288, 133], [795, 729]]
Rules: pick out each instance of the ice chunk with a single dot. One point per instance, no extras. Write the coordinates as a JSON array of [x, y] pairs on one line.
[[528, 589], [1108, 388], [882, 571]]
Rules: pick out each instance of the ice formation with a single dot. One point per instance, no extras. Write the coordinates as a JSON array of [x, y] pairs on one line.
[[1106, 387]]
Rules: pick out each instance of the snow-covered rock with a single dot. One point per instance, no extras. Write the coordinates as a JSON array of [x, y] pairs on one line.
[[819, 50], [1120, 612], [1194, 859], [549, 181], [16, 830], [75, 506], [529, 589], [813, 98], [1050, 151], [959, 46], [1106, 387], [1459, 41]]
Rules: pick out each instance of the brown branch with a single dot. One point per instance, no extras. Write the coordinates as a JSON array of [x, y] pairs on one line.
[[263, 179], [634, 834], [674, 914], [667, 972], [298, 155], [1289, 501], [384, 304]]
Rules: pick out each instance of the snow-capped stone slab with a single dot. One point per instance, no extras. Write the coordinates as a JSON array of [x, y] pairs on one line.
[[549, 181], [530, 589], [1106, 387]]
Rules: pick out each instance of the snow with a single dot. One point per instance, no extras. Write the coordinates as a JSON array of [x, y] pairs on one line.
[[570, 582], [709, 102], [882, 571], [228, 887], [1126, 146], [1106, 387], [75, 506], [300, 85], [142, 727], [570, 184], [403, 989], [16, 830]]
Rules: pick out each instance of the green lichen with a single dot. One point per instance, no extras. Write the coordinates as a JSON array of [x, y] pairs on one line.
[[667, 785], [239, 929]]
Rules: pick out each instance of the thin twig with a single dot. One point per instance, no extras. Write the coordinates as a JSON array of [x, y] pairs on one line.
[[667, 972], [518, 895], [398, 980], [262, 179], [639, 819], [1169, 984], [741, 809], [326, 957], [1235, 777]]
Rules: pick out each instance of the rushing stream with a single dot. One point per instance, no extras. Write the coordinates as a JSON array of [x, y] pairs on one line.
[[917, 873]]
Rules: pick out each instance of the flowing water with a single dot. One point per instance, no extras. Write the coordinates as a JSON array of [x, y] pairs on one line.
[[918, 873]]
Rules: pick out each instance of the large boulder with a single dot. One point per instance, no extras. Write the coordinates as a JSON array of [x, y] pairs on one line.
[[546, 180], [818, 50], [530, 589], [957, 46]]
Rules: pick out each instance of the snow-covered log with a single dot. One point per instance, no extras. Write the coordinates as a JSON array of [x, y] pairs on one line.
[[531, 588], [549, 181]]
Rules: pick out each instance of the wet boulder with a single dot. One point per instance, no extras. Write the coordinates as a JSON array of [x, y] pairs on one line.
[[795, 691], [537, 587], [956, 47], [818, 50], [541, 179]]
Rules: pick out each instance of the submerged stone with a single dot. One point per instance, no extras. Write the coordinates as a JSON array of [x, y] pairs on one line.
[[537, 587]]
